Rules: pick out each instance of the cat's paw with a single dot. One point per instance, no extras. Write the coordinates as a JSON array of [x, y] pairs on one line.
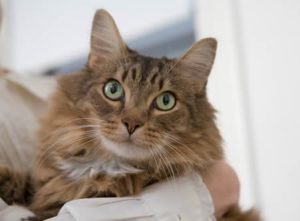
[[6, 187], [139, 181], [130, 185], [10, 183]]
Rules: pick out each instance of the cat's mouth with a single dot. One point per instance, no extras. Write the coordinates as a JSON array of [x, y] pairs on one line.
[[126, 148], [128, 140]]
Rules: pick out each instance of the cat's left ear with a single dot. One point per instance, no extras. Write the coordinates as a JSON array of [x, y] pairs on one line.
[[196, 64], [106, 41]]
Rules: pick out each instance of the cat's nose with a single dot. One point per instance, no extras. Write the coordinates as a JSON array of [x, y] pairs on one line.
[[131, 125]]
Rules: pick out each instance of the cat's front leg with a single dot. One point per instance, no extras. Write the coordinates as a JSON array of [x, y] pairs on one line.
[[129, 185], [52, 194], [14, 186], [50, 197], [138, 182]]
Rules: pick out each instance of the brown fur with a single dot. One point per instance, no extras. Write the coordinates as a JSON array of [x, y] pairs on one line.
[[236, 214], [80, 118], [15, 187]]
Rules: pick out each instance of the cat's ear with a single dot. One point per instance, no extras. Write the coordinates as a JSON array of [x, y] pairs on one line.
[[106, 41], [197, 62]]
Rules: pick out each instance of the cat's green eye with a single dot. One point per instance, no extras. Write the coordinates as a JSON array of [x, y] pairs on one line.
[[113, 90], [165, 102]]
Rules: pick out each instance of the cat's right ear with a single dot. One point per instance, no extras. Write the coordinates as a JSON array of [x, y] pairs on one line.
[[106, 41], [196, 64]]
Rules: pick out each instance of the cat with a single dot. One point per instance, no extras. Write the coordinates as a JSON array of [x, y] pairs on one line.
[[123, 122]]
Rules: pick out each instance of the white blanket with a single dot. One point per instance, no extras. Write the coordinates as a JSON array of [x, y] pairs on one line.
[[22, 99]]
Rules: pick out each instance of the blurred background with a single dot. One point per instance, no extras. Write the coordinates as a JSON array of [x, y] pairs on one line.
[[254, 84]]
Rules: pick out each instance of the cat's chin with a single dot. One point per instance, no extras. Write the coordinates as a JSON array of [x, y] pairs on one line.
[[126, 149]]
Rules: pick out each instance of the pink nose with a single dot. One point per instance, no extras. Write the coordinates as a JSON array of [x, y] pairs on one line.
[[131, 125]]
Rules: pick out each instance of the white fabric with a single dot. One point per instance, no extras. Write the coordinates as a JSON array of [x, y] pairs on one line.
[[12, 213], [22, 100], [185, 198]]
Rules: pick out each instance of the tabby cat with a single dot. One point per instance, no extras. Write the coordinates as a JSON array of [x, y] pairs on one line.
[[121, 123]]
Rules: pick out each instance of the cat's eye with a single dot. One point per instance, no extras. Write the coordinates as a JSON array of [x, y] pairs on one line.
[[113, 90], [165, 102]]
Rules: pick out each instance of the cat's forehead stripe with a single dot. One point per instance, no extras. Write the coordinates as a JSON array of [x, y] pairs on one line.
[[124, 75], [161, 83], [153, 78], [140, 71], [133, 72]]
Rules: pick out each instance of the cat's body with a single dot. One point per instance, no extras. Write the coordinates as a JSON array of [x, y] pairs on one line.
[[123, 122], [71, 146]]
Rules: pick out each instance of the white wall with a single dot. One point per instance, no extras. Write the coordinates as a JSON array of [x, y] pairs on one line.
[[271, 34], [255, 86], [43, 33], [215, 18], [3, 34]]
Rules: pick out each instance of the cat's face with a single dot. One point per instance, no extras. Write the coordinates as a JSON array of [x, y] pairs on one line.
[[142, 106]]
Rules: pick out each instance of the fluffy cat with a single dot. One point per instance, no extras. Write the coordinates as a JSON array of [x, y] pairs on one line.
[[121, 123]]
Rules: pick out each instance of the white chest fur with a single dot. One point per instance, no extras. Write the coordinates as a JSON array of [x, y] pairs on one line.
[[78, 168]]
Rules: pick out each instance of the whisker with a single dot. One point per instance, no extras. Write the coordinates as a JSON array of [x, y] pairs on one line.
[[67, 128], [47, 152], [177, 141], [154, 155], [166, 166]]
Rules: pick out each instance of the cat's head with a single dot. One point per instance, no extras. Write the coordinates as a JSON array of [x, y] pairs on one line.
[[142, 106]]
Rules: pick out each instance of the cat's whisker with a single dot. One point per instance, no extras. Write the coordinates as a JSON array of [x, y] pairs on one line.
[[156, 169], [98, 120], [57, 132], [48, 150], [176, 150], [64, 128], [47, 153], [185, 160], [177, 141], [61, 131], [156, 145], [66, 155], [166, 165], [70, 135]]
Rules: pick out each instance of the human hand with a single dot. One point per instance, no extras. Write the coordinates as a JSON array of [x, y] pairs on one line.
[[223, 185]]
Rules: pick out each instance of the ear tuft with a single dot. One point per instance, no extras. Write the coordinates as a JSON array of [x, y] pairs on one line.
[[197, 62], [106, 41]]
